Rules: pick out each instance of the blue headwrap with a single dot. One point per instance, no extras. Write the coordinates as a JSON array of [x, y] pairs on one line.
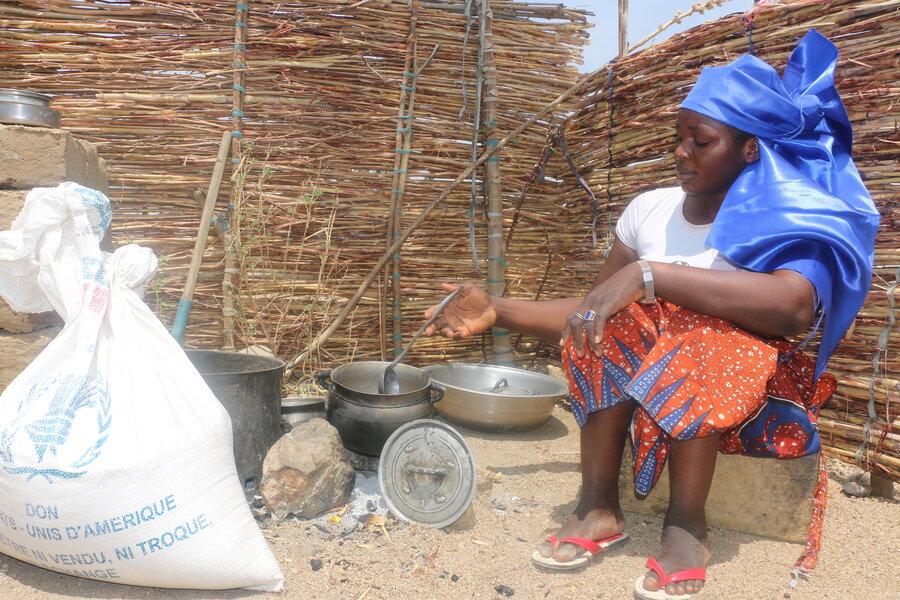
[[802, 206]]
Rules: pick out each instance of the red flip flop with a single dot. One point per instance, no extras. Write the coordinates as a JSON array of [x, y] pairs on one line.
[[592, 548], [664, 580]]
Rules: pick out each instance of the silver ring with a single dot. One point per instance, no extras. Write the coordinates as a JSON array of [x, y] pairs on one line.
[[580, 316], [589, 316]]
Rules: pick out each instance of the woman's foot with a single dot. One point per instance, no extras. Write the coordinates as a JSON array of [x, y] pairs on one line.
[[596, 524], [681, 550]]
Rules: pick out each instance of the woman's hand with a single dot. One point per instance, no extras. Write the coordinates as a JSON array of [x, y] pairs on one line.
[[470, 312], [606, 299]]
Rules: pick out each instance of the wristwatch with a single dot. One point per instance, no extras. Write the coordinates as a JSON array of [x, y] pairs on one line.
[[649, 292]]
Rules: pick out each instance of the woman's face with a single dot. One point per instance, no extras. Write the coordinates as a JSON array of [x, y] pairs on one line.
[[709, 156]]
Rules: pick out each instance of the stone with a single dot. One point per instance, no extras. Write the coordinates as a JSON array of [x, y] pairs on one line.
[[19, 349], [307, 471], [361, 462], [20, 322], [11, 203], [42, 157], [881, 486], [762, 496]]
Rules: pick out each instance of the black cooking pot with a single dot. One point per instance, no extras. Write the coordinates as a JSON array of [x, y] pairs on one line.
[[364, 418]]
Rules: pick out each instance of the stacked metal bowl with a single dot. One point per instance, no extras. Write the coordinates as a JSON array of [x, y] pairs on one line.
[[495, 398]]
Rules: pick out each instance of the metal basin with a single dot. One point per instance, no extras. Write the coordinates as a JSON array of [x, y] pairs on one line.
[[296, 410], [494, 398], [21, 107]]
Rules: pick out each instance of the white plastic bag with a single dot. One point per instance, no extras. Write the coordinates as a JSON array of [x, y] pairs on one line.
[[116, 459]]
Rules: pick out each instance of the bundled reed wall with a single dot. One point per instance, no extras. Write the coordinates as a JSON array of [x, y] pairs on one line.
[[152, 84]]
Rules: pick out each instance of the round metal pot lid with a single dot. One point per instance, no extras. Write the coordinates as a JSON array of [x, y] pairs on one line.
[[427, 473]]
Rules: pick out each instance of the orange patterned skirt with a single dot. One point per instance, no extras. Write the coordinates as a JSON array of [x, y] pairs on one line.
[[691, 375]]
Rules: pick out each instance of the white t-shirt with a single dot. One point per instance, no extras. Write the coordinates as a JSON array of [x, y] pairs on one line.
[[653, 225]]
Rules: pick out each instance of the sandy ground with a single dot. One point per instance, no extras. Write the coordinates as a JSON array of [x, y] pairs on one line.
[[487, 554]]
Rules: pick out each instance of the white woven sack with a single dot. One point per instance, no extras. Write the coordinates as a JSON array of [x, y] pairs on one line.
[[116, 459]]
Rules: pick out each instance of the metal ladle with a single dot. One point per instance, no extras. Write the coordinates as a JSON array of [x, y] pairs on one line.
[[388, 384]]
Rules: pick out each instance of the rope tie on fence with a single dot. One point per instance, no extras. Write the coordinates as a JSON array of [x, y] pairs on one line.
[[747, 22], [862, 452], [595, 206]]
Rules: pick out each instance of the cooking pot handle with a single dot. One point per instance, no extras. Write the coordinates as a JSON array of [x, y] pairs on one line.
[[324, 379], [436, 392]]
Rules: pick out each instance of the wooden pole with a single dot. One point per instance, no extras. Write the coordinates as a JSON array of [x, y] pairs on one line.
[[229, 289], [623, 27], [403, 148], [209, 206], [496, 268]]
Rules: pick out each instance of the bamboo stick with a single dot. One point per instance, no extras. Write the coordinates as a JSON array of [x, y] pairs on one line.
[[496, 271]]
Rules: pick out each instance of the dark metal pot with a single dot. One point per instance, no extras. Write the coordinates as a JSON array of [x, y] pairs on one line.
[[249, 387], [364, 418]]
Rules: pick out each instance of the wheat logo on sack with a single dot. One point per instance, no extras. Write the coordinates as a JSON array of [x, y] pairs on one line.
[[59, 429], [95, 200]]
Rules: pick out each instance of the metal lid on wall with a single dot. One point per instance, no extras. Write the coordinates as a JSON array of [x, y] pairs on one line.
[[427, 473]]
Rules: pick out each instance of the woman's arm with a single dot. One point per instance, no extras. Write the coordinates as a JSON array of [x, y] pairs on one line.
[[474, 310], [769, 304], [780, 303], [547, 318]]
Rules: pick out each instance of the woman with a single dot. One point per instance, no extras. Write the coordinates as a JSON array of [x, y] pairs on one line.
[[680, 341]]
